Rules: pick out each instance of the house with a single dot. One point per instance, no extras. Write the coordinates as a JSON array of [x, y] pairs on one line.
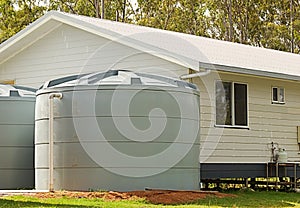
[[249, 96]]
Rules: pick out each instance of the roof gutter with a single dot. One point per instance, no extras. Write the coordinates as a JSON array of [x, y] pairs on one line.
[[202, 73], [205, 69]]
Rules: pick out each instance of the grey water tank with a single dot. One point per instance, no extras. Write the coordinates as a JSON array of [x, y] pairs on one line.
[[17, 137], [118, 130]]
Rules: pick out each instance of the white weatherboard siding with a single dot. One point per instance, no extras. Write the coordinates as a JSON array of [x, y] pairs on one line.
[[267, 122], [68, 50]]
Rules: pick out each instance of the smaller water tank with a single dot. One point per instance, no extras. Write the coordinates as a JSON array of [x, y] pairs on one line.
[[282, 155], [17, 137]]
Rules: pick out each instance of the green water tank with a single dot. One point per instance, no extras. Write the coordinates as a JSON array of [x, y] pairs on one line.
[[118, 130], [17, 106]]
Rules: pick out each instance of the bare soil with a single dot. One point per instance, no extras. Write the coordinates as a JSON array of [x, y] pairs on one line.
[[152, 196]]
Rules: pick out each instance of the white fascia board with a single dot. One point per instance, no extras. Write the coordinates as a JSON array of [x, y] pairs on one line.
[[247, 71]]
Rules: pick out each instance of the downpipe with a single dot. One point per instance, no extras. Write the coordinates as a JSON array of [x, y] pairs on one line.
[[52, 96]]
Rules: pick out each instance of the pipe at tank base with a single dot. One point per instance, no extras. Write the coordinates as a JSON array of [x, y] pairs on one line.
[[198, 74], [51, 142]]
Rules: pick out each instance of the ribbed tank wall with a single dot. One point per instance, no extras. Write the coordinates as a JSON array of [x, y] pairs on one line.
[[98, 144], [17, 142]]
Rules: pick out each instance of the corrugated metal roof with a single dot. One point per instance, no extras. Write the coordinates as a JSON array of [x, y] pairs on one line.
[[188, 50]]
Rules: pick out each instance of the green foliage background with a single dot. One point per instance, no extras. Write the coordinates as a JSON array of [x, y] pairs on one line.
[[263, 23]]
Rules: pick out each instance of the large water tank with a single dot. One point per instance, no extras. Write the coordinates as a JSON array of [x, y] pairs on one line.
[[117, 130], [17, 137]]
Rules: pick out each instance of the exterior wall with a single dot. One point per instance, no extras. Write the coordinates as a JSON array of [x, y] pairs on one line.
[[68, 50], [267, 122]]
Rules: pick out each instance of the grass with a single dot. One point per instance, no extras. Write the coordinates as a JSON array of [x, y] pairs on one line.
[[256, 199], [22, 201], [243, 199]]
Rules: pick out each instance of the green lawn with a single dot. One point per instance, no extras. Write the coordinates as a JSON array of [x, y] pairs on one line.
[[243, 199]]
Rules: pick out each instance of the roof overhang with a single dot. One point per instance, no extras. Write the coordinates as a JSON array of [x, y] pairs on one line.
[[247, 71]]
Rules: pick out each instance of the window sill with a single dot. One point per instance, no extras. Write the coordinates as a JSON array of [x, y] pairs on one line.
[[278, 103], [232, 127]]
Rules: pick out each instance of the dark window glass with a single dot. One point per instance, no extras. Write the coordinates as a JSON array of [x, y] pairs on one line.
[[275, 94], [240, 104]]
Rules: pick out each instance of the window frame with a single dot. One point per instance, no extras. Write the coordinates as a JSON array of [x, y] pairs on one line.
[[278, 95], [232, 106]]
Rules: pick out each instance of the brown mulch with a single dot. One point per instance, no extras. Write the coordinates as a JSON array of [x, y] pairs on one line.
[[152, 196]]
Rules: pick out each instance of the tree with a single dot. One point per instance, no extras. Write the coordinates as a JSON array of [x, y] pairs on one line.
[[120, 10], [277, 25], [264, 23], [16, 15], [187, 16]]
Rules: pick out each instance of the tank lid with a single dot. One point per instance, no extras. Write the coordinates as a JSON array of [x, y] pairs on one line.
[[118, 77], [16, 91]]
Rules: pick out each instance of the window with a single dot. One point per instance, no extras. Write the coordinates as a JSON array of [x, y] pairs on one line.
[[278, 95], [231, 104]]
